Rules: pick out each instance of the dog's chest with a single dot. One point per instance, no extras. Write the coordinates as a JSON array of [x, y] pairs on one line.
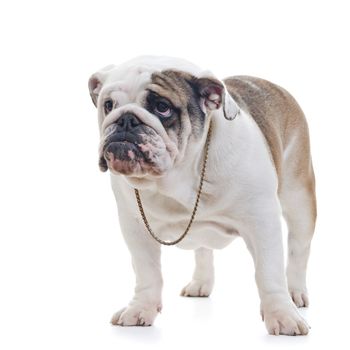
[[212, 227]]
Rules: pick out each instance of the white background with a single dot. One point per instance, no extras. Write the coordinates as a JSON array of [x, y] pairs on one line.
[[64, 266]]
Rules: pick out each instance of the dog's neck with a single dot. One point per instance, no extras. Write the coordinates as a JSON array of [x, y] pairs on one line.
[[186, 172], [182, 182]]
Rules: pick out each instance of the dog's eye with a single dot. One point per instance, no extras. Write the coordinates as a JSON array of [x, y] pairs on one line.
[[163, 109], [108, 106]]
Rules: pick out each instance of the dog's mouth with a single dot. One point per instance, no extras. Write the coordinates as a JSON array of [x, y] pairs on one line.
[[124, 151], [135, 154]]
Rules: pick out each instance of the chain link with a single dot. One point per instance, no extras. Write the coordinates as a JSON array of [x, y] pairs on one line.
[[142, 212]]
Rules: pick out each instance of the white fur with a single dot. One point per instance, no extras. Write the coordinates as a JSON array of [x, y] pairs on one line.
[[203, 277], [239, 198]]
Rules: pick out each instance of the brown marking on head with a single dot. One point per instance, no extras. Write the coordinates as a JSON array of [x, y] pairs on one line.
[[188, 119], [179, 87]]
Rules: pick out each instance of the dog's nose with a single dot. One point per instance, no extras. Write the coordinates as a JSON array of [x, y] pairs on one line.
[[127, 122]]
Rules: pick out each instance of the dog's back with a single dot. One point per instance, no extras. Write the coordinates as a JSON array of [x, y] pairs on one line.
[[280, 119]]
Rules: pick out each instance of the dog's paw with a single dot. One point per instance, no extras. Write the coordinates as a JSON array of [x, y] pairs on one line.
[[136, 315], [285, 320], [297, 287], [197, 288], [300, 297]]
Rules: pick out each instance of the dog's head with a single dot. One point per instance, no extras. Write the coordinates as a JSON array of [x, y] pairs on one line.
[[151, 110]]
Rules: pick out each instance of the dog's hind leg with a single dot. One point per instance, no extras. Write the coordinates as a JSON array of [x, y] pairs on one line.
[[298, 201]]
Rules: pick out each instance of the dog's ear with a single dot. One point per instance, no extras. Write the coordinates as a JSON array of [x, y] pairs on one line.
[[213, 95], [95, 85], [96, 82]]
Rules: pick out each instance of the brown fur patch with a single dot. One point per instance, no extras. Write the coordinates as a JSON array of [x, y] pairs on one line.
[[284, 127], [277, 114], [177, 87]]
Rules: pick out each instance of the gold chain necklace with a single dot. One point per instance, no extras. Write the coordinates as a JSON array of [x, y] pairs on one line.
[[145, 221]]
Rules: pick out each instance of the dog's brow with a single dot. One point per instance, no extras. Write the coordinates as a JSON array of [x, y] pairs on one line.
[[160, 95]]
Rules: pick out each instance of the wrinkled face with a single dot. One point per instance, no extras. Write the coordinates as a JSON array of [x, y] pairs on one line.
[[149, 117]]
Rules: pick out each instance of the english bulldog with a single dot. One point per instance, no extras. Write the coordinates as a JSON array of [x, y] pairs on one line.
[[154, 116]]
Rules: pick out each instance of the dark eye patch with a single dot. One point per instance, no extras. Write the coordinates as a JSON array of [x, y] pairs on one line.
[[157, 104], [153, 98], [108, 106]]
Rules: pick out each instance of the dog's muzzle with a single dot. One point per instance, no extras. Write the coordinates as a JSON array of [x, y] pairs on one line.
[[133, 148]]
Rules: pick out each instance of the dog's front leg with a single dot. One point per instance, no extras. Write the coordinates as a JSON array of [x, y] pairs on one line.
[[145, 252], [263, 237]]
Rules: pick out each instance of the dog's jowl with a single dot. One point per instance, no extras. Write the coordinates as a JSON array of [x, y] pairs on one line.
[[199, 161]]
